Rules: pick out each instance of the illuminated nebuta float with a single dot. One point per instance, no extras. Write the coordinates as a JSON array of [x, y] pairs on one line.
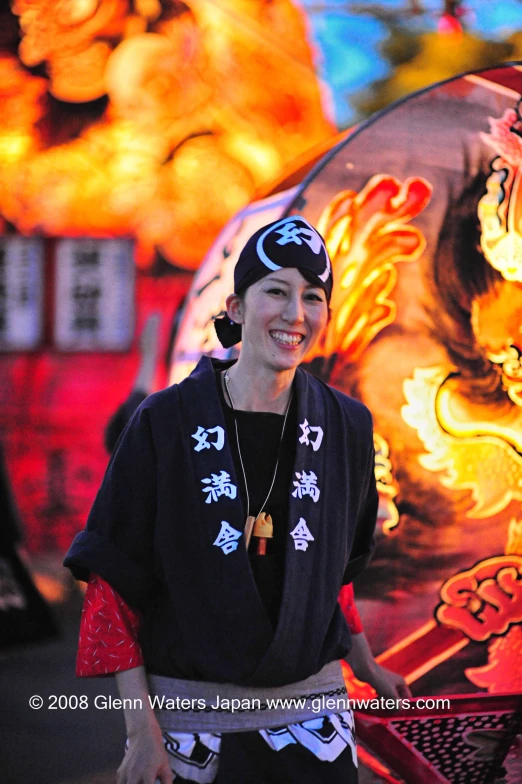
[[421, 210]]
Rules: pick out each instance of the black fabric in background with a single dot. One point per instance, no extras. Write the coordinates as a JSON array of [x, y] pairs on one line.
[[259, 437], [118, 421], [24, 614], [11, 531]]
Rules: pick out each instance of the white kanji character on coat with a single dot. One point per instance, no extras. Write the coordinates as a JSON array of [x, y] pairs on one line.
[[307, 485], [220, 484], [301, 535], [201, 436], [307, 429], [227, 538]]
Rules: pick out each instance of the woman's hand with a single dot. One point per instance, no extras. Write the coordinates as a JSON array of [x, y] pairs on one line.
[[385, 682], [146, 760]]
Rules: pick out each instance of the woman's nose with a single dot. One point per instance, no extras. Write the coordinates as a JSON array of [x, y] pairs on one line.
[[294, 310]]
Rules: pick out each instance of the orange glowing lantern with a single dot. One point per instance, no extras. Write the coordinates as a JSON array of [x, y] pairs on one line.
[[73, 39], [204, 105]]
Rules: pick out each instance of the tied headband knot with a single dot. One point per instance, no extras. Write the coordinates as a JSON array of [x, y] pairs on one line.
[[228, 332], [286, 243]]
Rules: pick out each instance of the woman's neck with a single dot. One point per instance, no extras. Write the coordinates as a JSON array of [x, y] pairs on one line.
[[258, 389]]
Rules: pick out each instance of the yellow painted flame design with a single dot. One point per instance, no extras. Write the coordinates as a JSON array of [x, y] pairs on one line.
[[476, 456], [366, 234]]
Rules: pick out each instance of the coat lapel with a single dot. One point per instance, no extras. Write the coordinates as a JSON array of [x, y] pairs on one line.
[[309, 528], [220, 510]]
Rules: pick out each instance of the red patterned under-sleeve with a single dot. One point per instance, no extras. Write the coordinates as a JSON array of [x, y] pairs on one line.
[[347, 602], [108, 632]]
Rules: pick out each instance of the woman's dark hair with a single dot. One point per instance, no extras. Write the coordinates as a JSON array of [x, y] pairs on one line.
[[307, 275]]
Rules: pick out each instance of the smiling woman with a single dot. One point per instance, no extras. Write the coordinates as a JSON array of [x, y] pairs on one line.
[[237, 563], [282, 317]]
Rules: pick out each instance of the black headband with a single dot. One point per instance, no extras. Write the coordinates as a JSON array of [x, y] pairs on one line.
[[288, 242]]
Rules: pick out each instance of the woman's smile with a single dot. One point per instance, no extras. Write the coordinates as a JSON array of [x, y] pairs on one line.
[[286, 340]]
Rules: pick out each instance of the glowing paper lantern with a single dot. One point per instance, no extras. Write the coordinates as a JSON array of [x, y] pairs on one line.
[[204, 106]]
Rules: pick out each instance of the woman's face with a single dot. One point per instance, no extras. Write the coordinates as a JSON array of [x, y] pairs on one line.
[[282, 316]]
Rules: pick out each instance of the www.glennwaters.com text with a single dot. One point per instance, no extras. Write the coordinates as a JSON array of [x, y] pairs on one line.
[[223, 704]]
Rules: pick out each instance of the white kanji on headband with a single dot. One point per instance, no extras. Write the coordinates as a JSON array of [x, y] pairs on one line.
[[290, 231]]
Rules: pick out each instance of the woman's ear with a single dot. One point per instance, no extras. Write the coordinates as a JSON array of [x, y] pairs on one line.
[[329, 315], [235, 308]]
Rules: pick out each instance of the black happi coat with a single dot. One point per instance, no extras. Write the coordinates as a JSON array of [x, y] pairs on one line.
[[173, 546]]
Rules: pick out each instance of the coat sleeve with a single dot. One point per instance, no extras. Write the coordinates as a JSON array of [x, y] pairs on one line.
[[363, 542], [117, 543], [351, 614], [108, 641]]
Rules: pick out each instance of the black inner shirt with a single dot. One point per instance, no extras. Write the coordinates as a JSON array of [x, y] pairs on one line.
[[259, 437]]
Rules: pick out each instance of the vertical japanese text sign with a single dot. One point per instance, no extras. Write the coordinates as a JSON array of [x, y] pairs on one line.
[[21, 293], [94, 308]]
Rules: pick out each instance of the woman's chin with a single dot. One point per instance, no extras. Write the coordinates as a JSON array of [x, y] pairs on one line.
[[287, 361]]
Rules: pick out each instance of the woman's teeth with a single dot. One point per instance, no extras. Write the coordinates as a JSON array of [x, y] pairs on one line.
[[288, 340]]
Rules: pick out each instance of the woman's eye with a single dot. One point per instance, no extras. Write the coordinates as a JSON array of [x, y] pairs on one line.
[[311, 297]]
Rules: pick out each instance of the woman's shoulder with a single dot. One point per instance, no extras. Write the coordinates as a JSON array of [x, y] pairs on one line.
[[353, 408], [350, 403], [160, 409], [161, 398]]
